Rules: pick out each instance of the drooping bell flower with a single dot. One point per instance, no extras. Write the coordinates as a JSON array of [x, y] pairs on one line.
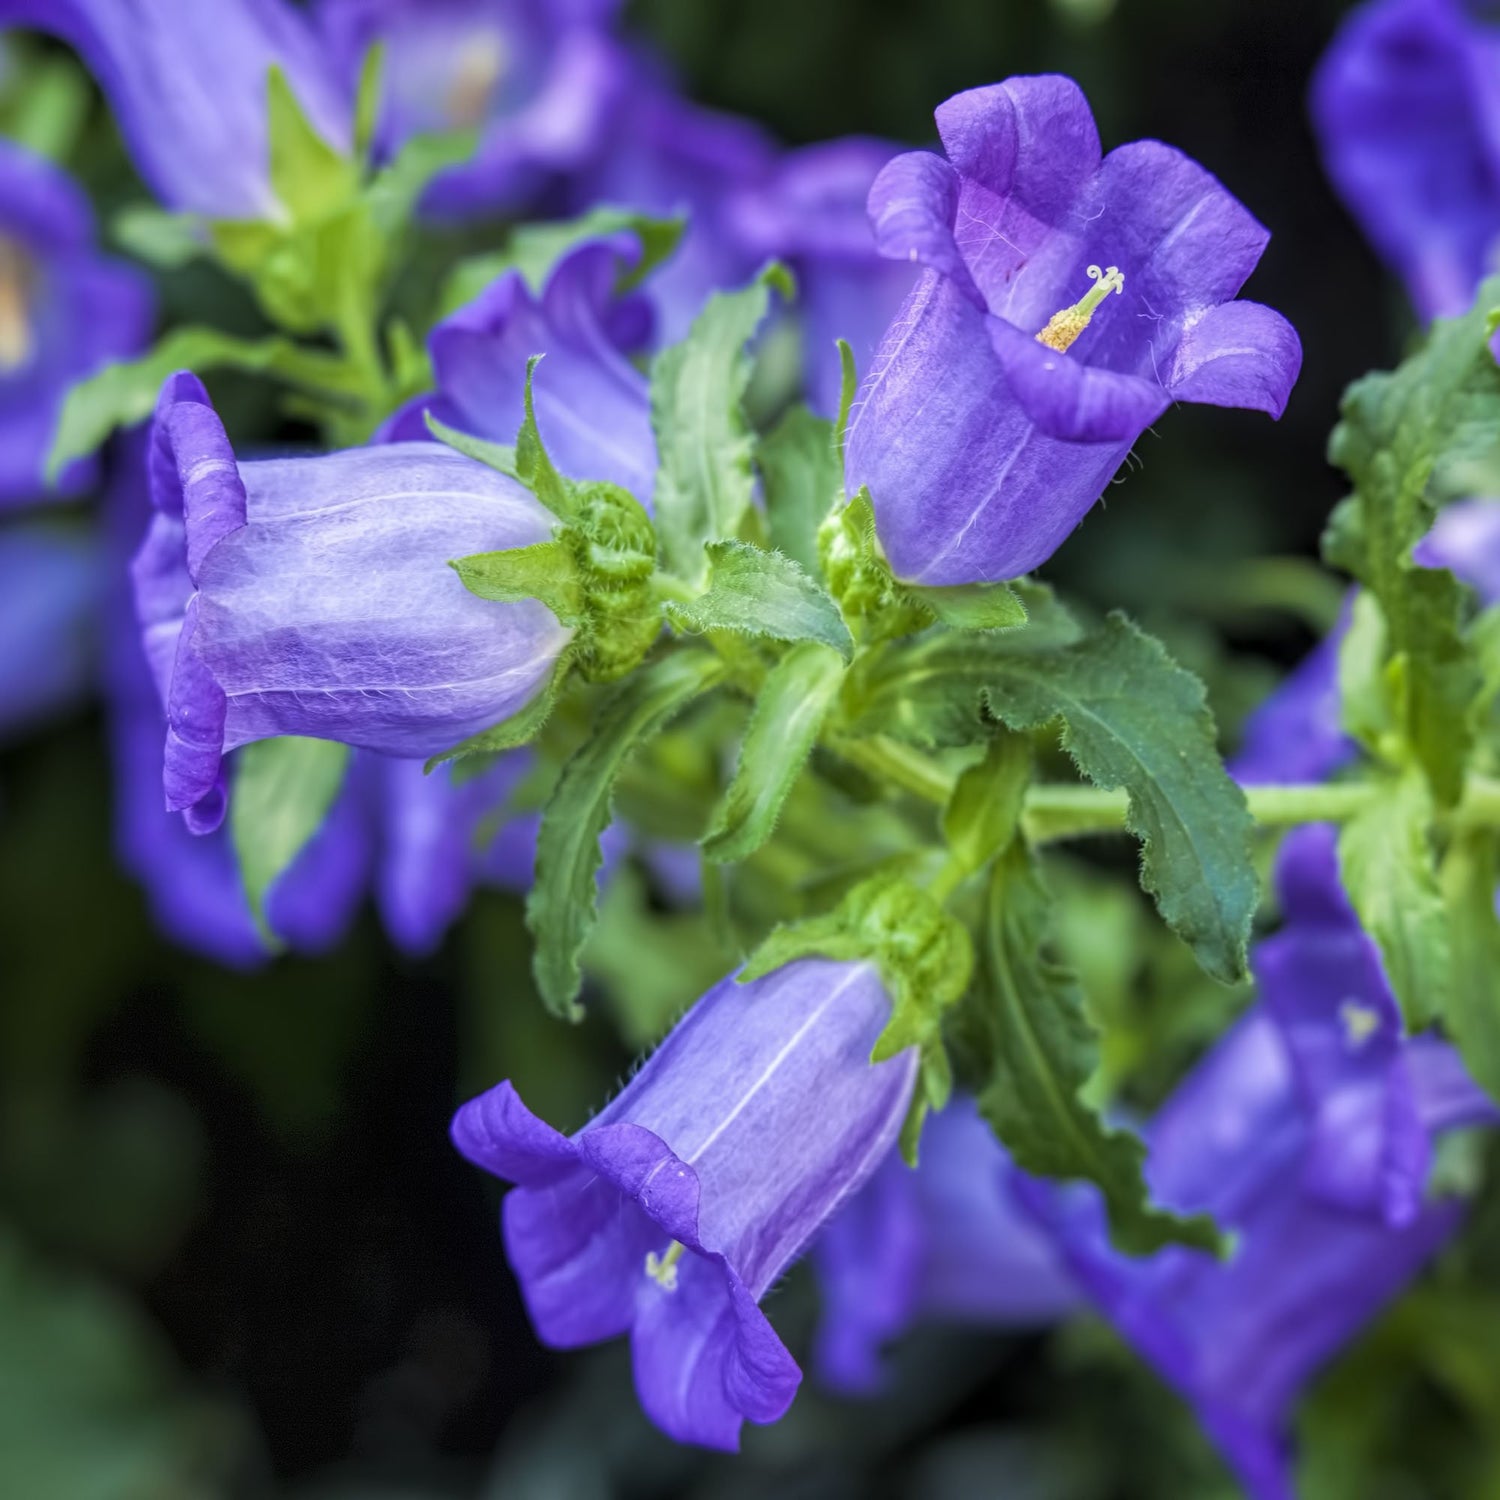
[[51, 585], [538, 79], [1306, 1132], [666, 156], [65, 312], [809, 211], [943, 1241], [193, 884], [187, 84], [1066, 302], [593, 406], [671, 1213], [314, 597], [1406, 105]]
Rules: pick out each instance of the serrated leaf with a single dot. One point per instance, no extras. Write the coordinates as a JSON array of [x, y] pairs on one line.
[[1405, 439], [705, 481], [1387, 865], [763, 594], [546, 571], [535, 249], [123, 394], [1470, 874], [1133, 718], [561, 908], [784, 726], [803, 481], [1042, 1050], [974, 606], [984, 811], [283, 789]]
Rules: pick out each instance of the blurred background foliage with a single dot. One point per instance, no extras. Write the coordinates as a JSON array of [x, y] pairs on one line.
[[239, 1258]]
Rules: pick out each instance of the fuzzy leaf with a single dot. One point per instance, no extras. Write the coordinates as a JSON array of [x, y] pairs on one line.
[[498, 456], [561, 908], [1470, 874], [803, 479], [1042, 1050], [705, 481], [764, 594], [1405, 438], [1386, 861], [520, 729], [784, 726], [283, 789], [974, 606]]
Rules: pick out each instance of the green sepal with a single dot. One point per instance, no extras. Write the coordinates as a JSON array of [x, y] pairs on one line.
[[848, 389], [283, 789], [758, 593], [308, 175], [534, 251], [163, 240], [973, 606], [705, 480], [789, 711], [1388, 868], [367, 99], [534, 467], [561, 908], [934, 1090], [498, 456], [123, 394], [545, 571], [1039, 1050], [984, 812], [521, 728], [1469, 877], [803, 481], [923, 954]]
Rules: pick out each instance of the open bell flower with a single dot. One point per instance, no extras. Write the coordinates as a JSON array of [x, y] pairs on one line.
[[536, 78], [671, 1214], [941, 1241], [312, 596], [1406, 105], [187, 83], [1066, 302], [1307, 1132], [65, 312]]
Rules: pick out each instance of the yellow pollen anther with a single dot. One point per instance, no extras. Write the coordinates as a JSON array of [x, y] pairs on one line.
[[483, 64], [1360, 1023], [1065, 326], [15, 314], [662, 1269]]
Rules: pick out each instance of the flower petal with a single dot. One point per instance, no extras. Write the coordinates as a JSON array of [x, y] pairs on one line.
[[1237, 354], [912, 207]]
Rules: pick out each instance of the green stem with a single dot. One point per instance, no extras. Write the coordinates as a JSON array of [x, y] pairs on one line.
[[1069, 810]]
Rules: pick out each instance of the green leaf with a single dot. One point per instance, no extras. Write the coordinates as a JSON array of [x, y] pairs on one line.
[[1133, 718], [533, 467], [165, 240], [1387, 865], [848, 389], [46, 101], [308, 176], [706, 481], [1042, 1050], [1470, 874], [545, 571], [784, 726], [535, 249], [561, 908], [803, 480], [763, 594], [283, 789], [1405, 440], [1364, 685], [984, 812], [367, 99], [123, 394], [974, 606]]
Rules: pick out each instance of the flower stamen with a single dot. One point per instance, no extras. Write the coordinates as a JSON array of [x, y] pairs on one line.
[[16, 335], [1064, 327], [484, 64], [662, 1269]]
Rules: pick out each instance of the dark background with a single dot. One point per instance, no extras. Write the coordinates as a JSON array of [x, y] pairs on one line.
[[237, 1255]]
